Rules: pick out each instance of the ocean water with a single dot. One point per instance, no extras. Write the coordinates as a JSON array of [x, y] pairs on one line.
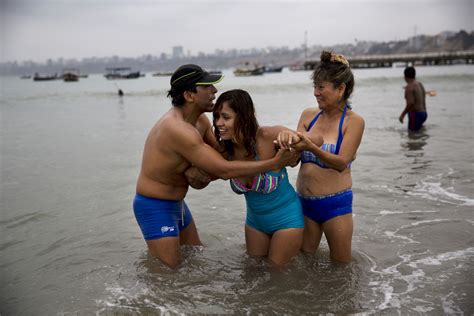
[[71, 152]]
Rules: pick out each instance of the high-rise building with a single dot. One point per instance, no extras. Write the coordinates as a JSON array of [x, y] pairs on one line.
[[178, 52]]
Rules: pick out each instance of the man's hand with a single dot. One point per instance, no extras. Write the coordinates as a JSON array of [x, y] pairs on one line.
[[401, 118], [197, 178]]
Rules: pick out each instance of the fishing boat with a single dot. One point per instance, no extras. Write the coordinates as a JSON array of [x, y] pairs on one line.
[[215, 72], [271, 68], [297, 67], [38, 77], [70, 75], [162, 74], [249, 70], [121, 73]]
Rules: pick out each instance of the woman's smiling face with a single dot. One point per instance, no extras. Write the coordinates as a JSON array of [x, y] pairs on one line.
[[327, 95], [224, 119]]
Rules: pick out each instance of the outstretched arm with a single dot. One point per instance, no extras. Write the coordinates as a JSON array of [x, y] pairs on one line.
[[188, 143]]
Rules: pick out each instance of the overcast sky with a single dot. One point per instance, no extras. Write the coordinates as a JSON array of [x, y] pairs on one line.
[[42, 29]]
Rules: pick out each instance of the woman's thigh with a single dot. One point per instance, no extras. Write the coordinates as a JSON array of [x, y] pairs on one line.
[[338, 233], [312, 235], [284, 245], [257, 242]]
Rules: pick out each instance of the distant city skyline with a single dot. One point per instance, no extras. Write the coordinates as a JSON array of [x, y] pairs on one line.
[[46, 29]]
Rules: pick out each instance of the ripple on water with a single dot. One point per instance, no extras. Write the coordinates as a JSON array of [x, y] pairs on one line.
[[205, 284]]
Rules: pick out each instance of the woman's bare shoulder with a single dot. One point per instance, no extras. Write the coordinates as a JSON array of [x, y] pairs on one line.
[[309, 112], [353, 116]]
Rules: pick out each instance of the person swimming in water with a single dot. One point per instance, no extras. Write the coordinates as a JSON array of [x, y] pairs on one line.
[[182, 138], [415, 101], [324, 182], [274, 222]]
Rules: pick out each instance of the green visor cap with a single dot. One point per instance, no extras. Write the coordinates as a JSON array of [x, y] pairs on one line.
[[193, 75]]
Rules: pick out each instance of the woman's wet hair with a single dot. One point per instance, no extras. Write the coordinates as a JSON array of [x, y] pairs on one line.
[[334, 68], [245, 122]]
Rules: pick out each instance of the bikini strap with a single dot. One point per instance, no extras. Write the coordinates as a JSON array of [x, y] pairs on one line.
[[314, 120], [339, 137], [254, 148]]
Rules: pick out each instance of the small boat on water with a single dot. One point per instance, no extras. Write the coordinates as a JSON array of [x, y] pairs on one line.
[[162, 74], [297, 67], [121, 73], [273, 68], [170, 73], [249, 70], [70, 75], [25, 77], [38, 77]]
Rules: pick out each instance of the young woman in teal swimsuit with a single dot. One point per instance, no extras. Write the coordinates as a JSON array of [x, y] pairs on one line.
[[274, 223], [324, 181]]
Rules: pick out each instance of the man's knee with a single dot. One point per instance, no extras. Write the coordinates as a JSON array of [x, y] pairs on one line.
[[171, 260]]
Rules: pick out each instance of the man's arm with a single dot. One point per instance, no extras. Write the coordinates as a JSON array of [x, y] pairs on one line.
[[197, 178], [410, 102], [188, 143], [205, 128]]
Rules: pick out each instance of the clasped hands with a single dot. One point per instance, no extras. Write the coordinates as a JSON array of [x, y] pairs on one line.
[[292, 141]]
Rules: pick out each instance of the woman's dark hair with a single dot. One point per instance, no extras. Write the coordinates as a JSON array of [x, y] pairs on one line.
[[245, 122], [334, 68], [177, 97]]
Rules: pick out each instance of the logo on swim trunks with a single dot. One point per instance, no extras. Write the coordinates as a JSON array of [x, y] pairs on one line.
[[165, 229]]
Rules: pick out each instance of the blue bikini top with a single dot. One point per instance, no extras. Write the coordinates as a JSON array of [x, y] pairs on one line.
[[264, 183], [308, 156]]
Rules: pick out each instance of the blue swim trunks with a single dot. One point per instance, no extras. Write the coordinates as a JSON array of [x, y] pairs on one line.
[[323, 208], [416, 120], [159, 218]]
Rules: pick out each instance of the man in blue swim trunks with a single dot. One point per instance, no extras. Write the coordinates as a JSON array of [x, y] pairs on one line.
[[182, 138], [415, 101]]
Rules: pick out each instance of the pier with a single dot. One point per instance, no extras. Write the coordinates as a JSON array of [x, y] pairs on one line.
[[425, 59]]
